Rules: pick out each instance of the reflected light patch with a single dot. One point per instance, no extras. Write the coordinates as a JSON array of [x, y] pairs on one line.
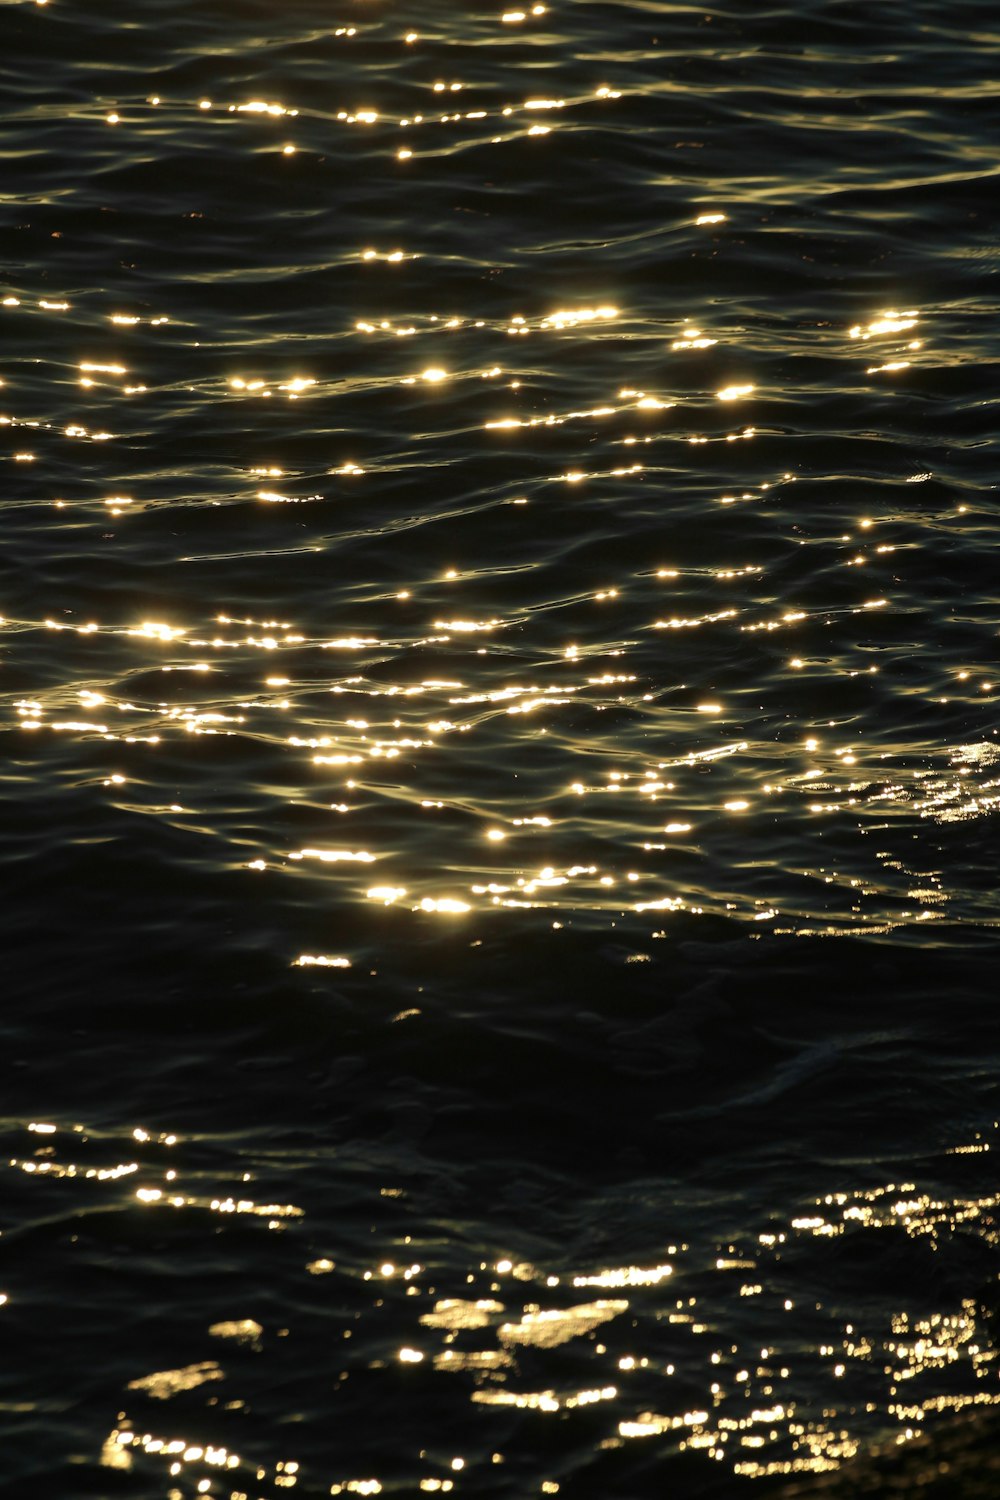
[[387, 894], [574, 317], [164, 1384], [889, 321], [549, 1329], [626, 1276], [244, 1330], [260, 107], [155, 630], [336, 856]]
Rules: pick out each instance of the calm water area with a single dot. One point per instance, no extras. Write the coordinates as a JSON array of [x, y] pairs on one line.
[[501, 757]]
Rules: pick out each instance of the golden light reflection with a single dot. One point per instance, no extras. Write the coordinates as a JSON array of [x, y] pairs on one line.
[[387, 894], [447, 905], [261, 107], [455, 1313], [586, 833], [626, 1276], [648, 1424], [576, 317], [887, 322], [320, 961], [549, 1329], [122, 1443], [336, 856], [754, 1415], [155, 630], [693, 338], [165, 1384]]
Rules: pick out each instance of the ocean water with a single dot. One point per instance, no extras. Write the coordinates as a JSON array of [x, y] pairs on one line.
[[501, 764]]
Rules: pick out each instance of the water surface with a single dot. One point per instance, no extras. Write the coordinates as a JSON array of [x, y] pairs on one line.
[[500, 719]]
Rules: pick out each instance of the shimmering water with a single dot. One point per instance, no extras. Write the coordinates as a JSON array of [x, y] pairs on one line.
[[499, 671]]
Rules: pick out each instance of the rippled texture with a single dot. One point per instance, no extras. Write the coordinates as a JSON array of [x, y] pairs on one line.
[[500, 709]]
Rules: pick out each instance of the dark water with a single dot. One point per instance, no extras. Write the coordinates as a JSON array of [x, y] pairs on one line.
[[501, 764]]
